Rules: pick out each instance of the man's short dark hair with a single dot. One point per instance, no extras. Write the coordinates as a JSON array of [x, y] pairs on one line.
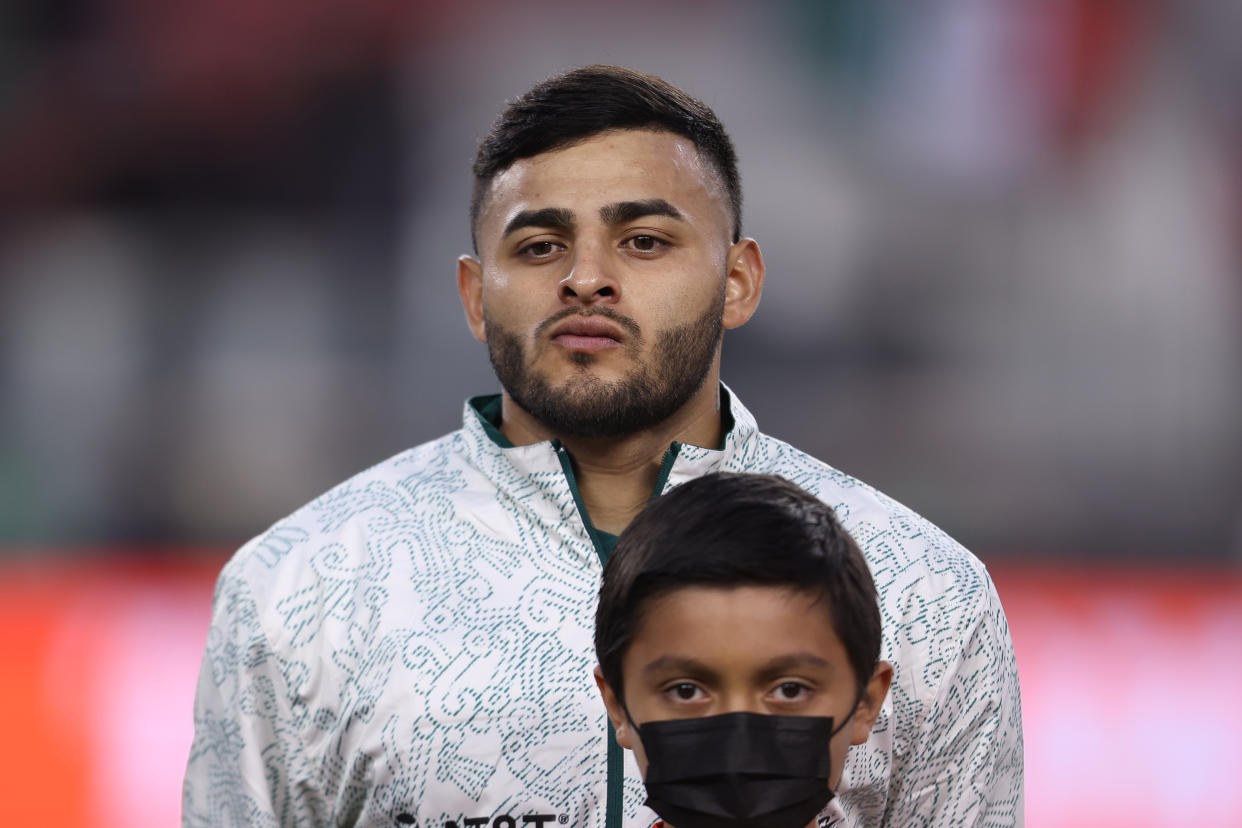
[[584, 102], [727, 530]]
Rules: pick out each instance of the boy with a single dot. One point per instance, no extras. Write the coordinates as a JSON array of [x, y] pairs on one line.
[[738, 639]]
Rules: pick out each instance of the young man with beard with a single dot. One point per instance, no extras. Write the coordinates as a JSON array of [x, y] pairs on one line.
[[415, 646]]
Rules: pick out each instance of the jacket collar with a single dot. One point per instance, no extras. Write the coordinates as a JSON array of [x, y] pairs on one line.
[[494, 454]]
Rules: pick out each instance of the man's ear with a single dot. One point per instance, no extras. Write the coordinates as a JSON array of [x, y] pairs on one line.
[[616, 713], [743, 282], [871, 702], [470, 286]]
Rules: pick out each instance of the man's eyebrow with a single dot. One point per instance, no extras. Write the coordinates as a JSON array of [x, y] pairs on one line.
[[554, 218], [623, 211]]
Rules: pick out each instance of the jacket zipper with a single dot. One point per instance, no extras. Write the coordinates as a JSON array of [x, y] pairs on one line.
[[616, 772]]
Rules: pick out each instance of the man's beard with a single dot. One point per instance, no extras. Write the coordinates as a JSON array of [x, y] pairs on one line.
[[585, 406]]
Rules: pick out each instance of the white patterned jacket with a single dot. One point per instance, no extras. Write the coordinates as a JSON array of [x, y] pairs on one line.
[[414, 648]]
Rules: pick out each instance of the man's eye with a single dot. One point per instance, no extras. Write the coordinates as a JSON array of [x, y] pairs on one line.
[[540, 248], [646, 244]]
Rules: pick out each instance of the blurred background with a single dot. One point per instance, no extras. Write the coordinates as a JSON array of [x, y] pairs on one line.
[[1004, 248]]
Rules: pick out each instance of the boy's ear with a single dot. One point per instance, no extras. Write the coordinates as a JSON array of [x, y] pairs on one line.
[[616, 713], [871, 702]]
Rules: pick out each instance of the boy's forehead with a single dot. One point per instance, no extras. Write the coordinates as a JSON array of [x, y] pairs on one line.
[[744, 626]]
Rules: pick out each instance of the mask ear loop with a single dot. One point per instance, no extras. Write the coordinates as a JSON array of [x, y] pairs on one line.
[[625, 708], [857, 700]]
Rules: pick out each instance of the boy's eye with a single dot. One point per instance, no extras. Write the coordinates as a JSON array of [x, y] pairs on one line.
[[684, 691], [791, 690]]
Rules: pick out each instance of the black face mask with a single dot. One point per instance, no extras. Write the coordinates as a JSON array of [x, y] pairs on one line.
[[738, 770]]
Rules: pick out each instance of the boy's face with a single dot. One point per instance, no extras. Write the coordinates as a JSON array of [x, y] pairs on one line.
[[704, 651]]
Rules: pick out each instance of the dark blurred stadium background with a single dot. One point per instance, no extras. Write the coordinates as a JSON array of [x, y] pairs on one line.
[[1004, 243]]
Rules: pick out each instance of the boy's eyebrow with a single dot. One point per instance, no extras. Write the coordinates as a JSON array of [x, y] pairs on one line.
[[554, 218], [792, 661], [679, 664], [623, 211]]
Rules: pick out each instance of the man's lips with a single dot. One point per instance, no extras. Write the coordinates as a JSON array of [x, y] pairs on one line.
[[590, 333]]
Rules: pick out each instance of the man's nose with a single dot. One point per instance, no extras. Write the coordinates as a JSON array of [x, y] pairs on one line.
[[592, 280]]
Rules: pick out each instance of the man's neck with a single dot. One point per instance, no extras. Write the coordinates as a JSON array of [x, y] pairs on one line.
[[616, 475]]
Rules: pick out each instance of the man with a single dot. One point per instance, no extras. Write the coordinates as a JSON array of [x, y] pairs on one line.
[[415, 647]]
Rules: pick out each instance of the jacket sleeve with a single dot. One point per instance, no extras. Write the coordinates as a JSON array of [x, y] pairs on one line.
[[247, 751], [967, 768]]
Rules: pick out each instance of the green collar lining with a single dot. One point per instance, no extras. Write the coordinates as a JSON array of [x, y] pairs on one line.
[[488, 407]]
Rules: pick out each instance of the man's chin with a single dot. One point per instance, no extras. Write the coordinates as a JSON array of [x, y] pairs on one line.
[[588, 397], [584, 407], [582, 377]]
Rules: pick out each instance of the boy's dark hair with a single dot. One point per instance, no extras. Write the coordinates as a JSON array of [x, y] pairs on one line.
[[584, 102], [726, 530]]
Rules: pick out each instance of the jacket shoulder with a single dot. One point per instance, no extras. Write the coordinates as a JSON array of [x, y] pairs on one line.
[[927, 581], [889, 531], [343, 516]]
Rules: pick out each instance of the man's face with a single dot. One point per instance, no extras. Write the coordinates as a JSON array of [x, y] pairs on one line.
[[603, 281], [705, 651]]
